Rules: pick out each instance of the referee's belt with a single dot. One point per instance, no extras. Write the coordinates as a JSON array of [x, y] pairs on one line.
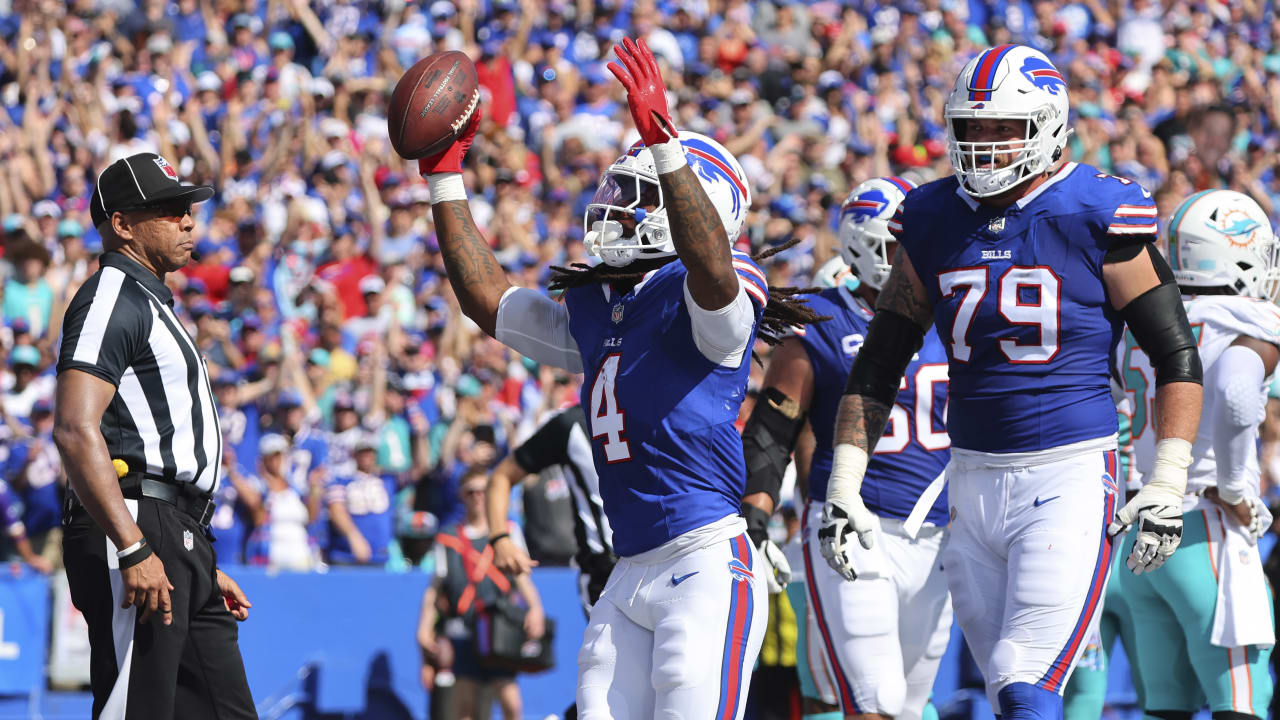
[[184, 496]]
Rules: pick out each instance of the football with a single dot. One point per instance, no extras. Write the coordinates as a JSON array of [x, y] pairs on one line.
[[431, 104]]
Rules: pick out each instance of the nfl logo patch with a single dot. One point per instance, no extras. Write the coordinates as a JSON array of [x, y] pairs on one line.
[[996, 225], [188, 540], [169, 171], [617, 313]]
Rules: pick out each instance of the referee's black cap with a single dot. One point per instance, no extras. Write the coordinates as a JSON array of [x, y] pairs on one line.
[[140, 181]]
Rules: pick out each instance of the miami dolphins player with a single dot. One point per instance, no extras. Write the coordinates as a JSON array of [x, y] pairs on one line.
[[883, 636], [663, 329], [1205, 632], [1028, 267]]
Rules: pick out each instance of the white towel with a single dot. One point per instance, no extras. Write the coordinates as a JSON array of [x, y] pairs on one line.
[[1243, 612]]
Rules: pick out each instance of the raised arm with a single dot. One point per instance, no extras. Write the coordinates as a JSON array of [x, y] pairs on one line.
[[474, 273], [1140, 284], [696, 229], [903, 315], [524, 320]]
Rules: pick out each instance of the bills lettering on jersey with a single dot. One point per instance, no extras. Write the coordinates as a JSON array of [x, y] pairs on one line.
[[1024, 314]]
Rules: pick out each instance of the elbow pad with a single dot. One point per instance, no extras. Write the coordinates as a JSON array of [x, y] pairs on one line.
[[892, 340], [768, 439], [1239, 377], [1159, 323]]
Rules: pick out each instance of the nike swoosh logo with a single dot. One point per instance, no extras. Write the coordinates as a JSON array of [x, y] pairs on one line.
[[677, 580], [1040, 502]]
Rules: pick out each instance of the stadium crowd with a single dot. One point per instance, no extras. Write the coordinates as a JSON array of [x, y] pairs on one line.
[[353, 393]]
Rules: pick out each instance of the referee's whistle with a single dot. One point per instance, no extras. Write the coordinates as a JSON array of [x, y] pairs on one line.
[[122, 467]]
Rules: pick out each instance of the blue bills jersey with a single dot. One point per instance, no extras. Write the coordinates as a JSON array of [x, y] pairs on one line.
[[1020, 306], [368, 500], [914, 448], [661, 414]]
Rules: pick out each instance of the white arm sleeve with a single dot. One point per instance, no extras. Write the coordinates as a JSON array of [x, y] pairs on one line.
[[537, 327], [722, 335], [1237, 381]]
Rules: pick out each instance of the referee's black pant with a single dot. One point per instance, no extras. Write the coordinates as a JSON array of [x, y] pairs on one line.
[[190, 669]]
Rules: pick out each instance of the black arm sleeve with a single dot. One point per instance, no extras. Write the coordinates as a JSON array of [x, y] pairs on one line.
[[768, 439], [1159, 323], [892, 340]]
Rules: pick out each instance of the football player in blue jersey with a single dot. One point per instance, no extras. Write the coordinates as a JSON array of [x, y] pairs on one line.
[[663, 328], [1029, 269], [884, 635]]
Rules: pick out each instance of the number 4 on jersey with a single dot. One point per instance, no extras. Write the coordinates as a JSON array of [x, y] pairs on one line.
[[607, 419]]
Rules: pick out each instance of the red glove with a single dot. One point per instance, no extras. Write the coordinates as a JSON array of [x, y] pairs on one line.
[[450, 160], [646, 93]]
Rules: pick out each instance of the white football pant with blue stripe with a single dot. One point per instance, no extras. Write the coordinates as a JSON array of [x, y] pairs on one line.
[[1028, 557], [677, 630]]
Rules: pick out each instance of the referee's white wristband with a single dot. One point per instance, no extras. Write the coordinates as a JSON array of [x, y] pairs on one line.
[[445, 186], [121, 554]]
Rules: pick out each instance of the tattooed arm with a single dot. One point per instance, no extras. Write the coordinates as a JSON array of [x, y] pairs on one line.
[[700, 240], [862, 419], [903, 314], [474, 273]]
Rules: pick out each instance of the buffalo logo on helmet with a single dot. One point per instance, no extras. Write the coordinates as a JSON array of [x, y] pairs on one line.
[[1236, 225], [1043, 75], [865, 206]]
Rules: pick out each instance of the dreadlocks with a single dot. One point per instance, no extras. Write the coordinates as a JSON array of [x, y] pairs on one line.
[[783, 312]]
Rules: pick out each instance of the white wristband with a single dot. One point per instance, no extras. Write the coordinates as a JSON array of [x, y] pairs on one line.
[[848, 466], [1168, 477], [121, 554], [668, 156], [446, 186]]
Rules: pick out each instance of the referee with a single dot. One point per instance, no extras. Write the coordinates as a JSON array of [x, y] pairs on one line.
[[561, 445], [138, 431]]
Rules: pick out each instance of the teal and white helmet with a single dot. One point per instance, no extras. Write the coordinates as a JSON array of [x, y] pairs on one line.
[[1222, 238]]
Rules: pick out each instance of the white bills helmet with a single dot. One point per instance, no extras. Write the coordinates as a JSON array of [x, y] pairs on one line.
[[1011, 82], [864, 227], [1222, 238], [631, 183]]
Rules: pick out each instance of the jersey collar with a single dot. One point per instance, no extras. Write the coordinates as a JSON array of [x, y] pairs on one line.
[[607, 288], [1022, 202], [143, 276], [855, 302]]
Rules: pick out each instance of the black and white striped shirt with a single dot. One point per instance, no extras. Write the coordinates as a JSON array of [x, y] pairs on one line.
[[563, 444], [162, 421]]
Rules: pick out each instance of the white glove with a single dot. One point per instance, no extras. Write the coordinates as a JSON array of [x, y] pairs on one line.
[[844, 511], [777, 571], [1157, 508], [833, 534]]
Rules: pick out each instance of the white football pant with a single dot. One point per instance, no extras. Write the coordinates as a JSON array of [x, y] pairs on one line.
[[880, 639], [1028, 557], [676, 632]]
